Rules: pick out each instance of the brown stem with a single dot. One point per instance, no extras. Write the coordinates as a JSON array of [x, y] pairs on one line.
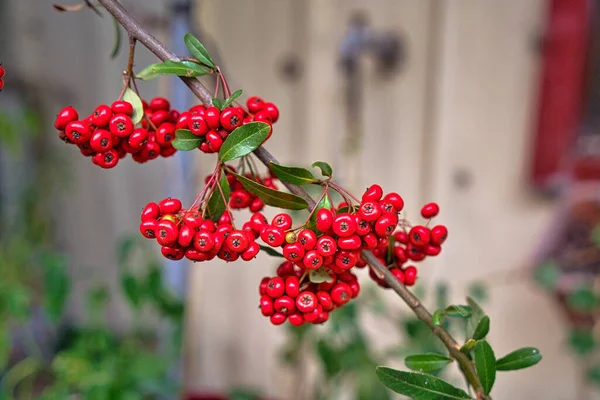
[[151, 43]]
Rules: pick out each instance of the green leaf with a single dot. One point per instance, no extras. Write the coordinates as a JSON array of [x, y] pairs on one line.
[[426, 362], [185, 140], [216, 204], [295, 175], [125, 247], [325, 168], [319, 276], [198, 50], [138, 109], [582, 341], [477, 314], [582, 299], [273, 197], [330, 358], [217, 103], [485, 363], [56, 287], [458, 311], [244, 140], [482, 328], [270, 251], [419, 386], [519, 359], [468, 346], [478, 291], [178, 68], [132, 289], [232, 98], [115, 51], [5, 346], [547, 274], [438, 317]]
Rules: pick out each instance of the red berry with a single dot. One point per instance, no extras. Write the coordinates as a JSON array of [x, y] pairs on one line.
[[159, 103], [237, 241], [399, 274], [415, 253], [121, 125], [197, 125], [312, 260], [258, 222], [151, 211], [137, 138], [240, 199], [401, 237], [293, 252], [262, 288], [369, 241], [286, 268], [278, 319], [66, 115], [430, 210], [122, 107], [208, 225], [170, 206], [101, 140], [439, 233], [165, 134], [296, 319], [204, 241], [231, 118], [419, 235], [266, 306], [274, 237], [344, 225], [386, 224], [324, 219], [256, 205], [198, 110], [307, 238], [326, 246], [341, 293], [263, 116], [272, 110], [166, 232], [282, 221], [147, 228], [276, 287], [255, 104], [193, 254], [214, 141], [325, 300], [107, 159], [251, 251], [2, 71], [101, 115], [432, 250], [307, 301], [373, 193], [172, 253], [395, 200], [400, 254], [314, 315], [345, 260], [410, 275], [292, 286], [78, 132], [285, 305], [349, 243], [370, 210], [186, 235], [212, 117]]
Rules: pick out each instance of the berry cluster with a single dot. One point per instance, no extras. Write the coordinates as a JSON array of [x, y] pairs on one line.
[[184, 233], [241, 198], [286, 297], [109, 133], [214, 125], [1, 76]]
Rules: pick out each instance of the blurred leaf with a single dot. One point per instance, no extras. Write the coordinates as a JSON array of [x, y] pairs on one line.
[[458, 311], [19, 299], [243, 140], [519, 359], [582, 299], [132, 289], [330, 358], [319, 275], [582, 341], [232, 98], [198, 50], [294, 175], [138, 109], [419, 386], [96, 301], [482, 329], [593, 374], [438, 317], [478, 291], [547, 274], [426, 362], [271, 251], [56, 286], [125, 246], [185, 140], [441, 294], [154, 283], [477, 315], [243, 394], [369, 387], [468, 346], [217, 203], [485, 363], [117, 44], [325, 168], [5, 345]]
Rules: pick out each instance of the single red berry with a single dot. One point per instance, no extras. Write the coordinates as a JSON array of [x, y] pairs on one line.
[[410, 275], [282, 221], [266, 306], [439, 233], [400, 255], [292, 286], [240, 199], [324, 219], [262, 288], [256, 205], [398, 273], [369, 241], [66, 115], [386, 224], [285, 305], [296, 319], [204, 241], [326, 246], [419, 235], [274, 237], [373, 193], [401, 237], [101, 140], [237, 241], [363, 227], [121, 125], [415, 253], [430, 210], [325, 300], [395, 200], [214, 141], [197, 125], [78, 132], [170, 206], [212, 117], [172, 253], [353, 242], [192, 254], [276, 287], [183, 120], [341, 293], [258, 221], [107, 159], [387, 207], [137, 138], [2, 71], [147, 228], [198, 110], [278, 318], [263, 116], [101, 115], [159, 103], [432, 250], [272, 110], [165, 134], [307, 301], [293, 252], [151, 211], [370, 210], [166, 232], [159, 117], [312, 260], [345, 259], [255, 104], [208, 225], [286, 268], [186, 235], [344, 225], [174, 116], [307, 238], [231, 118], [313, 316], [122, 107], [227, 254]]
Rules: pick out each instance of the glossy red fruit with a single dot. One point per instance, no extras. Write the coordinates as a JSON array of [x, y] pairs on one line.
[[285, 305], [240, 199], [122, 107], [255, 104], [66, 115], [107, 159], [306, 301], [286, 268], [197, 125], [272, 110], [419, 235], [325, 300], [212, 117], [432, 250], [399, 274], [101, 115], [258, 222], [326, 246], [370, 210], [159, 117], [170, 206], [148, 228], [373, 193], [263, 116], [341, 293], [159, 103], [78, 132], [198, 110], [292, 286], [172, 253], [312, 260], [101, 140], [278, 318], [395, 200], [307, 238], [439, 234], [204, 241], [353, 242], [137, 138], [401, 237], [415, 253], [165, 134], [237, 241], [296, 319], [293, 252], [214, 141], [345, 259], [369, 241], [251, 252], [282, 221], [150, 212], [410, 275], [324, 219], [208, 225], [262, 288], [266, 306], [231, 118], [430, 210], [400, 255], [186, 235], [121, 125], [313, 316], [344, 225], [274, 237], [166, 232], [183, 120], [191, 253], [276, 287], [363, 227], [386, 224], [256, 205]]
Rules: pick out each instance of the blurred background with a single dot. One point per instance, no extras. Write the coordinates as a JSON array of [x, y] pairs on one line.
[[491, 109]]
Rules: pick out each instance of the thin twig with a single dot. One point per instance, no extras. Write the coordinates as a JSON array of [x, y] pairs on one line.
[[151, 43]]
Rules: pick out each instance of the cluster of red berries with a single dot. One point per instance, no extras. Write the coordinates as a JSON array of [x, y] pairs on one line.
[[1, 76], [109, 133], [184, 233], [286, 297], [214, 125]]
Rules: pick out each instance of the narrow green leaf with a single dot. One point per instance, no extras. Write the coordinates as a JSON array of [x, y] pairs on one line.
[[216, 204], [273, 197], [519, 359], [319, 276], [482, 329], [477, 314], [117, 46], [458, 311], [57, 286], [419, 386], [468, 346], [325, 168], [178, 68], [232, 98], [478, 291], [138, 109], [485, 363], [438, 317], [131, 289], [426, 362], [198, 50], [295, 175], [185, 140], [244, 140], [217, 103], [271, 251]]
